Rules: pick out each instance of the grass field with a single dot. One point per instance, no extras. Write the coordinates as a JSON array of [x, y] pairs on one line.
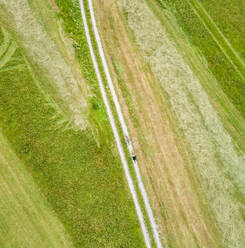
[[77, 171], [43, 56], [232, 28], [26, 220], [194, 169], [178, 67], [218, 38]]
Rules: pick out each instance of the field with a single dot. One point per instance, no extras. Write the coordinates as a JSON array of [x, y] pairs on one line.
[[182, 130], [46, 61], [75, 167], [179, 72], [26, 220]]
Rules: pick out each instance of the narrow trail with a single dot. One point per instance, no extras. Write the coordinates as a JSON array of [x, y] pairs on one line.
[[125, 129], [115, 132]]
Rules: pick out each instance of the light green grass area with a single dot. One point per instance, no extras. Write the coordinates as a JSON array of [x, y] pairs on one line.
[[25, 217], [78, 172], [70, 17], [216, 28], [219, 164]]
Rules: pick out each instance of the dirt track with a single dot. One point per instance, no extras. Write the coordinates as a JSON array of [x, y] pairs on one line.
[[115, 132]]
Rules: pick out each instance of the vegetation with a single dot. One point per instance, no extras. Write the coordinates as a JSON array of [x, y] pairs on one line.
[[232, 27], [52, 72], [26, 220], [77, 171], [205, 34], [218, 164]]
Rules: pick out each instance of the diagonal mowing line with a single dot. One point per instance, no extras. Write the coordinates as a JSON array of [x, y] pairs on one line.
[[115, 132], [25, 196], [220, 33], [215, 38], [125, 130], [5, 59]]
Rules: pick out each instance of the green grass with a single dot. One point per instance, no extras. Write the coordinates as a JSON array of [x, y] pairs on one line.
[[233, 28], [113, 108], [78, 172], [1, 37], [26, 220], [197, 29], [73, 26], [218, 164]]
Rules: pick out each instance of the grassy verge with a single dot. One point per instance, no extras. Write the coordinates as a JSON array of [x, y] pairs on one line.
[[78, 172]]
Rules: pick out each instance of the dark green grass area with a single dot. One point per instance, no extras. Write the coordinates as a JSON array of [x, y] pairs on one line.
[[228, 78], [84, 183]]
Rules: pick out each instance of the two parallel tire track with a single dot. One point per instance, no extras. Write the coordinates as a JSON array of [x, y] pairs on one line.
[[125, 131]]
